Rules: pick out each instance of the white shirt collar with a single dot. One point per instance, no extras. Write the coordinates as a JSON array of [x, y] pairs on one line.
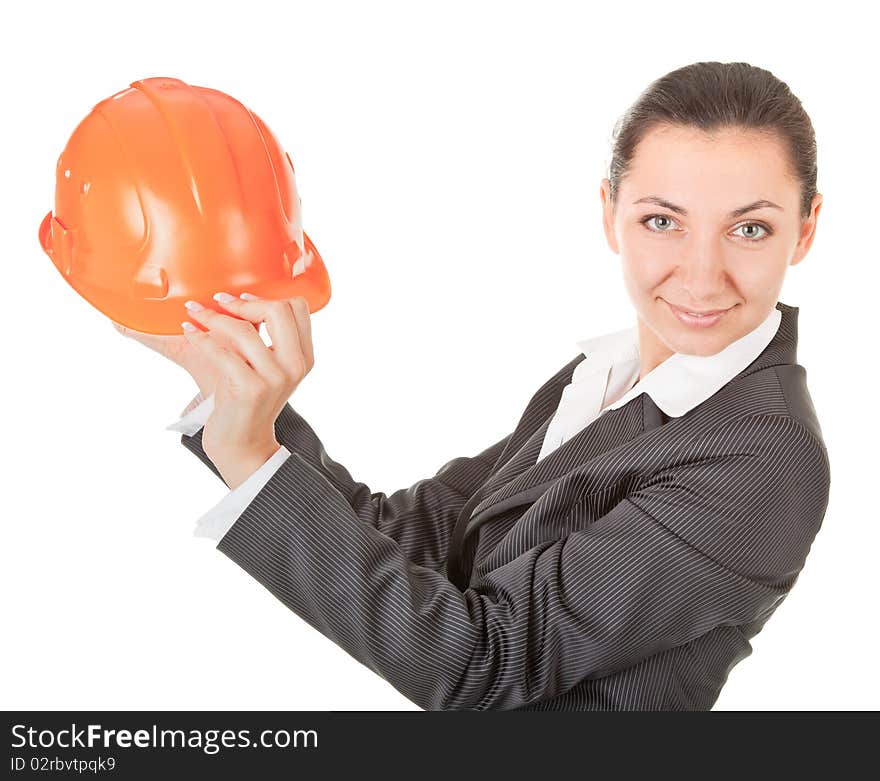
[[682, 381]]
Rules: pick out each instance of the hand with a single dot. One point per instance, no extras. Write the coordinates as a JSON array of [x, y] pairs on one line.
[[179, 350], [254, 381]]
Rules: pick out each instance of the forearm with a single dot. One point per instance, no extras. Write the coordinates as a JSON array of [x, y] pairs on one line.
[[420, 517]]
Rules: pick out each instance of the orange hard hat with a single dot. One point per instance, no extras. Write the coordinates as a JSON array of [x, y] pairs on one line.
[[167, 192]]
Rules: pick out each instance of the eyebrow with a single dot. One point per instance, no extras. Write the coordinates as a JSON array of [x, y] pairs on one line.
[[760, 204]]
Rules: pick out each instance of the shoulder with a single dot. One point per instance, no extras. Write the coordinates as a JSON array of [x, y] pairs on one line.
[[792, 379], [750, 492], [772, 449], [771, 406]]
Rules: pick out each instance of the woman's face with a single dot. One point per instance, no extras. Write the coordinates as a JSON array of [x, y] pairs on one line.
[[699, 249]]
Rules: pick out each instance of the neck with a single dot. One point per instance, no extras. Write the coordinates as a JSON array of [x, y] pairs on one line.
[[652, 352]]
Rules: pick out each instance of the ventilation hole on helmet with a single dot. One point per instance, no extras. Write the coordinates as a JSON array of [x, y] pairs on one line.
[[150, 282]]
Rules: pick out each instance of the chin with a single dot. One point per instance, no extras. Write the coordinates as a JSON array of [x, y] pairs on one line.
[[703, 347]]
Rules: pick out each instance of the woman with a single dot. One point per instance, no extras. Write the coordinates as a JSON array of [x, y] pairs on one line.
[[659, 495]]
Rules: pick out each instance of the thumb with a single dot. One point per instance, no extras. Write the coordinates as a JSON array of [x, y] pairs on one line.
[[158, 343]]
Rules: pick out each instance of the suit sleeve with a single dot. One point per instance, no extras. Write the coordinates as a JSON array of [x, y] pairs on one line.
[[216, 522], [419, 518], [716, 539]]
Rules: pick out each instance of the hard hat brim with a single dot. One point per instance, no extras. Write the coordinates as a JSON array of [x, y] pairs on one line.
[[162, 317]]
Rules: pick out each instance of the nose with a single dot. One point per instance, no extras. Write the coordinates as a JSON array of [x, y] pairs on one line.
[[703, 273]]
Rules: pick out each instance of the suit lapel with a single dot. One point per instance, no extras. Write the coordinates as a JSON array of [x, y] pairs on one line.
[[541, 407], [522, 459], [522, 480], [521, 445], [526, 483]]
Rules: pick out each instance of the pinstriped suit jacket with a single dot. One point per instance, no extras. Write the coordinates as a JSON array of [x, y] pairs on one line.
[[627, 570]]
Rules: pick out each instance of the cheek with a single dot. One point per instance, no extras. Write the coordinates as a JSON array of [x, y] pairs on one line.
[[757, 276], [646, 258], [645, 270]]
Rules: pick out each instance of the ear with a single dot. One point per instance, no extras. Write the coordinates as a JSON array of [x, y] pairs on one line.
[[608, 215], [808, 231]]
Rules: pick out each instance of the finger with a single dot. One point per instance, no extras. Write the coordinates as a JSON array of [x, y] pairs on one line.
[[242, 336], [225, 361], [157, 343], [300, 307], [280, 323]]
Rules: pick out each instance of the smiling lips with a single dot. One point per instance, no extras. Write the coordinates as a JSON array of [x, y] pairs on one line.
[[700, 312], [697, 318]]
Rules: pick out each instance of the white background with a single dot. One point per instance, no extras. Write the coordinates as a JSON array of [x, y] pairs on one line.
[[448, 157]]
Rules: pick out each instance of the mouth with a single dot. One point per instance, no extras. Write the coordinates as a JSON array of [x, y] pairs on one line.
[[696, 317]]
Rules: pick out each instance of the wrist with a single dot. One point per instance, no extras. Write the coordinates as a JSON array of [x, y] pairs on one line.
[[237, 464]]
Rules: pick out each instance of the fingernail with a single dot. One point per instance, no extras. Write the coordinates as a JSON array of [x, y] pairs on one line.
[[223, 298], [248, 296], [187, 326], [193, 306]]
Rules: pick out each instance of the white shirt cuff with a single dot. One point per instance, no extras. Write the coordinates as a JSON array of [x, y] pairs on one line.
[[217, 521], [194, 415]]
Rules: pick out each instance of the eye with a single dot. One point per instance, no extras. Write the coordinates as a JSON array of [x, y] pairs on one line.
[[752, 237], [650, 217]]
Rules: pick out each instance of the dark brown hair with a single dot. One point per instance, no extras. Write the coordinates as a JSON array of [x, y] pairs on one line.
[[714, 95]]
